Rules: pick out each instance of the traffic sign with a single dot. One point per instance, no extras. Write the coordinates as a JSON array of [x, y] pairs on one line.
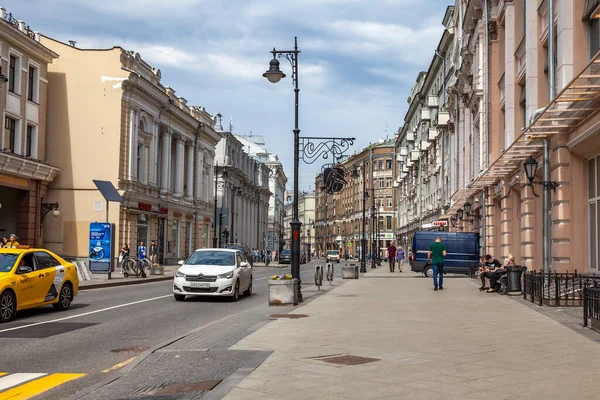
[[349, 244]]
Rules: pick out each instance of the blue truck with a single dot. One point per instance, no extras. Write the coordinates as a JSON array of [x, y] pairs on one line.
[[462, 251]]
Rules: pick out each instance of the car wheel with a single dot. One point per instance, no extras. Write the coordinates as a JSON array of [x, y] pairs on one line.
[[428, 272], [8, 306], [179, 297], [236, 292], [248, 292], [64, 298]]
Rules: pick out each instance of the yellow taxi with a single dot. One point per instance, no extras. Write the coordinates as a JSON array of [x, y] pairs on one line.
[[31, 278]]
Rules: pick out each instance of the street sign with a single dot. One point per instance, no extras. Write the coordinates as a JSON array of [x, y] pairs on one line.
[[349, 244]]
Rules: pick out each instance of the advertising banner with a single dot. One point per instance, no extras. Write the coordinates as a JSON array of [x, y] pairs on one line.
[[101, 246]]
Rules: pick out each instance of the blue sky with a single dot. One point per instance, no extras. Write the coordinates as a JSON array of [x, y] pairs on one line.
[[358, 63]]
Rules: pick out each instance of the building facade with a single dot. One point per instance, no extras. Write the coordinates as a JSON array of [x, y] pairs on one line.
[[306, 215], [275, 227], [339, 217], [25, 172], [424, 146], [525, 85], [242, 193], [112, 119]]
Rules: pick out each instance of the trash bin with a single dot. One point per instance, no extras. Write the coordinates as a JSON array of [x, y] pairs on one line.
[[514, 280]]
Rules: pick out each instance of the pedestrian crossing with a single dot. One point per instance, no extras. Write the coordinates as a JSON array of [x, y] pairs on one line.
[[22, 386]]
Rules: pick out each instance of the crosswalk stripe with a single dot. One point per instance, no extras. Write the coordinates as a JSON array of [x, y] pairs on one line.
[[16, 379], [37, 386]]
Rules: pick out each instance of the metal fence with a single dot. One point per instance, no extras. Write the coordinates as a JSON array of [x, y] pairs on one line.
[[557, 289], [591, 307]]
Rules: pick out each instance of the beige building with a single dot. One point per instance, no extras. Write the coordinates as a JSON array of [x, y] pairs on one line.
[[112, 119], [25, 171], [306, 215], [505, 102]]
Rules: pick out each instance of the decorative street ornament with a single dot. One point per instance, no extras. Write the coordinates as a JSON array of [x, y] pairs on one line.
[[333, 178]]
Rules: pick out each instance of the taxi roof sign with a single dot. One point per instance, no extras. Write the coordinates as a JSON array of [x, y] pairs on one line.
[[23, 246]]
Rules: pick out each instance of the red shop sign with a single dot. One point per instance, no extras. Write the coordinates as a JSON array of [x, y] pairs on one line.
[[177, 214], [164, 210], [145, 206], [189, 216]]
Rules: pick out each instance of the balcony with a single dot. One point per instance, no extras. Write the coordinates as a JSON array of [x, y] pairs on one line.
[[433, 134], [403, 151], [425, 114], [442, 118], [432, 101], [425, 144], [414, 155]]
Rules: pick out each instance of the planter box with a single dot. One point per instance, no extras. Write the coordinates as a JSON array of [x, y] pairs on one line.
[[350, 271], [160, 270], [283, 293]]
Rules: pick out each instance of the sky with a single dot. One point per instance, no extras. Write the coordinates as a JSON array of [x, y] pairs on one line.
[[358, 62]]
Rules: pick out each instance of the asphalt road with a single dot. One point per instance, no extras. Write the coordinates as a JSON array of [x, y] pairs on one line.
[[107, 327]]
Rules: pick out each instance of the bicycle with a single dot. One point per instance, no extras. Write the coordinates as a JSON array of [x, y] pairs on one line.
[[131, 266]]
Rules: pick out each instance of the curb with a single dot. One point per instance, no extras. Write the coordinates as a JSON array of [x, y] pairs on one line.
[[125, 283]]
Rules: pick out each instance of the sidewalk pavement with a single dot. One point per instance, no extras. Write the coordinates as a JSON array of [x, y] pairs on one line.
[[458, 343], [117, 279]]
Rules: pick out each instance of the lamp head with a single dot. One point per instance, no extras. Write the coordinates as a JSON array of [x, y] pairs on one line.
[[459, 213], [531, 167], [467, 208], [274, 74], [355, 173], [453, 221]]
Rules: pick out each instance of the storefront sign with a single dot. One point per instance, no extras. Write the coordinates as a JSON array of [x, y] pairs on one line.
[[189, 216], [164, 210], [349, 244], [101, 246], [13, 181], [177, 214], [440, 223], [145, 206]]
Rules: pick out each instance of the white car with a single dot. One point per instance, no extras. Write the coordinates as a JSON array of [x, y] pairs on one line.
[[213, 272]]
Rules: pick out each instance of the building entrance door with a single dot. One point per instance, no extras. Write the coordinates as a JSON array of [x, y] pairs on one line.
[[162, 235]]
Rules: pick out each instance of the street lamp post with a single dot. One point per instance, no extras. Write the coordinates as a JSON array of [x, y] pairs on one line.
[[363, 239], [274, 75]]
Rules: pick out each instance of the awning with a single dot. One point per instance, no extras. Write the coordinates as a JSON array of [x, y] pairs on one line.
[[572, 107]]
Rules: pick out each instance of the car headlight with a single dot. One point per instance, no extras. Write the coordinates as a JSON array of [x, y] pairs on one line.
[[227, 275], [179, 274]]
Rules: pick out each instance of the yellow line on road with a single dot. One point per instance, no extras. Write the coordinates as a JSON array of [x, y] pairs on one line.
[[119, 365], [41, 385]]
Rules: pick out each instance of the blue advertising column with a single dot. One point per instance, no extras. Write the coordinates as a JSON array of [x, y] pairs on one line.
[[102, 244]]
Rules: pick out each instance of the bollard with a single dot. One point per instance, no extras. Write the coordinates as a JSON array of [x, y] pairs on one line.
[[318, 276], [329, 273]]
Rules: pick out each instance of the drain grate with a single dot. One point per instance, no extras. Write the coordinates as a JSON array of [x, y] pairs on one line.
[[137, 349], [202, 386], [346, 359], [290, 316]]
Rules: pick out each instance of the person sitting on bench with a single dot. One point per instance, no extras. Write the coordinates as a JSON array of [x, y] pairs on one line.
[[499, 272], [490, 265]]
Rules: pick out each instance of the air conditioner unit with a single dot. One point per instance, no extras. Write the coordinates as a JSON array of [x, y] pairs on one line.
[[414, 155], [410, 136], [425, 114]]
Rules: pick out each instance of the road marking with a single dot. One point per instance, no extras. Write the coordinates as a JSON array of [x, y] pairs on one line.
[[119, 365], [37, 386], [84, 314], [16, 379]]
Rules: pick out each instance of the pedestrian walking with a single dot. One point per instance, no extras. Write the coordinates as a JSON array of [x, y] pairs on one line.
[[141, 251], [153, 252], [401, 257], [392, 256], [12, 242], [436, 254]]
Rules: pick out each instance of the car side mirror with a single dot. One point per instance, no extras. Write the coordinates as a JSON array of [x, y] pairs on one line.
[[23, 269], [180, 262], [243, 264]]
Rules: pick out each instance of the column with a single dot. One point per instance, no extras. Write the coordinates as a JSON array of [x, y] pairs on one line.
[[189, 193], [165, 161], [564, 48], [490, 222], [153, 162], [564, 251], [509, 75], [179, 165], [200, 177], [528, 228], [531, 56], [145, 164], [506, 245], [133, 139]]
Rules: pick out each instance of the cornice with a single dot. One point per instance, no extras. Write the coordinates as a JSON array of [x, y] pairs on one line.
[[29, 45]]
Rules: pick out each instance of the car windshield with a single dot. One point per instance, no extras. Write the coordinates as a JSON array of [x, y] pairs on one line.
[[218, 258], [332, 253], [286, 252], [237, 247], [7, 261]]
